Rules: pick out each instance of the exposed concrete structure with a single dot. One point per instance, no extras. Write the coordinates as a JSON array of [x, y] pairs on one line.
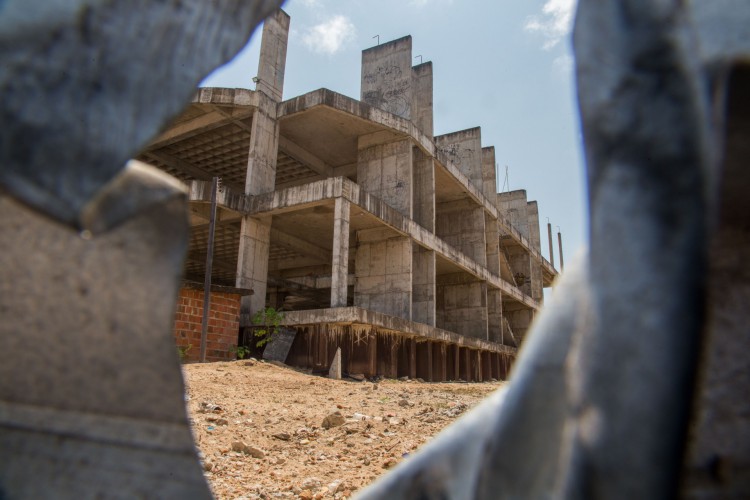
[[372, 235]]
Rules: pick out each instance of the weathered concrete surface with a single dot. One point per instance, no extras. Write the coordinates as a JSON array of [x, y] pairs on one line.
[[77, 58], [272, 63], [80, 311], [421, 107], [387, 77], [340, 259]]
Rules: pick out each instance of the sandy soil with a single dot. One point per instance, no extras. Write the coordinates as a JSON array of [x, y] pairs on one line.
[[268, 431]]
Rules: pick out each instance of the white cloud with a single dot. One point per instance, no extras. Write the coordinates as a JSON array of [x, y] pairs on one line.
[[330, 36], [554, 23], [311, 3]]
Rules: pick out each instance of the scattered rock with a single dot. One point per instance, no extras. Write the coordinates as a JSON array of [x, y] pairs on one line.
[[404, 379], [420, 380], [336, 486], [241, 447], [284, 436], [311, 483], [208, 466], [374, 387], [306, 495], [366, 460], [335, 419], [359, 377], [403, 402], [209, 407]]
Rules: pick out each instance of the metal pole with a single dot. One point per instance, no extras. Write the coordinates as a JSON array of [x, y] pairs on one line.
[[559, 246], [551, 249], [209, 265]]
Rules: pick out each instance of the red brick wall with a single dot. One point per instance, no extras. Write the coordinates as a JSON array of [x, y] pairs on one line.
[[223, 324]]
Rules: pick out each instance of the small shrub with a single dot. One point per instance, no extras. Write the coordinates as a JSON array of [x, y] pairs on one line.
[[240, 351], [183, 350], [269, 320]]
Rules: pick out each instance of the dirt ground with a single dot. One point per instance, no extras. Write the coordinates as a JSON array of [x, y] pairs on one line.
[[268, 431]]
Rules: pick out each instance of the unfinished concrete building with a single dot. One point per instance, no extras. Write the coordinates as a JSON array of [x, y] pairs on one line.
[[373, 235]]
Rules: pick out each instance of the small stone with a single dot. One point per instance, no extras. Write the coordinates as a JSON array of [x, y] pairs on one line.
[[374, 387], [391, 462], [335, 419], [404, 379], [336, 486], [280, 460], [304, 441], [208, 466], [311, 483], [284, 436], [359, 377], [403, 402], [420, 380], [306, 495], [366, 461]]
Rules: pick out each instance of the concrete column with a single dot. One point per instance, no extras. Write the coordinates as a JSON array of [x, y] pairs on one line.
[[537, 286], [372, 354], [255, 233], [465, 364], [412, 358], [421, 106], [272, 62], [492, 241], [387, 77], [513, 206], [383, 269], [423, 211], [464, 150], [340, 261], [386, 170], [423, 285]]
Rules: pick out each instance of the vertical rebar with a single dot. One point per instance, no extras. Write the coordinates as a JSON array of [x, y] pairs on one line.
[[209, 265]]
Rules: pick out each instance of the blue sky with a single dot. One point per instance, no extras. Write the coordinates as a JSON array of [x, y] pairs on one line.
[[503, 65]]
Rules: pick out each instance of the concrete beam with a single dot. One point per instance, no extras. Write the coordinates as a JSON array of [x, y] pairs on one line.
[[359, 316]]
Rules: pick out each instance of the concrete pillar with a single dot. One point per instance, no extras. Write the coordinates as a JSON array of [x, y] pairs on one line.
[[492, 244], [340, 261], [255, 233], [412, 358], [372, 353], [383, 269], [272, 62], [421, 107], [476, 365], [464, 150], [423, 184], [423, 285], [384, 169], [537, 286], [465, 364], [439, 362], [387, 77], [514, 207]]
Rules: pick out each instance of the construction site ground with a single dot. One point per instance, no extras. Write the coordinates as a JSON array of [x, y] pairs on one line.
[[268, 431]]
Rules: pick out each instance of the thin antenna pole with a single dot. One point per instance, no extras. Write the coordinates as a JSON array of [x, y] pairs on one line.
[[551, 249], [209, 265], [420, 58], [506, 182], [378, 37], [559, 246]]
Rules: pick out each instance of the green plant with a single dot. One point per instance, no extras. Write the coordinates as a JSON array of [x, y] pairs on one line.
[[268, 320], [240, 351], [183, 350]]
